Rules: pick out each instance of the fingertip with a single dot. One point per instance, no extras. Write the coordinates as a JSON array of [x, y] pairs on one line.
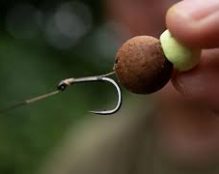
[[180, 25], [194, 25]]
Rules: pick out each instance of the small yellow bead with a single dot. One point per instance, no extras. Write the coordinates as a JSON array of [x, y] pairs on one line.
[[182, 57]]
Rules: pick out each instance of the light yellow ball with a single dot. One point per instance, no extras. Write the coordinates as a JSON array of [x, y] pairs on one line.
[[182, 57]]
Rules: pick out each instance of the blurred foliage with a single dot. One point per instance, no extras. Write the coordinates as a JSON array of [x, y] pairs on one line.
[[31, 64]]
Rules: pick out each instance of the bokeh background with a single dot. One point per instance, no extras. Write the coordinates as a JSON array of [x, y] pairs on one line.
[[41, 43], [45, 41]]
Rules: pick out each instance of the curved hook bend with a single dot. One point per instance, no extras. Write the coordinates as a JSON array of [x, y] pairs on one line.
[[70, 81], [119, 100]]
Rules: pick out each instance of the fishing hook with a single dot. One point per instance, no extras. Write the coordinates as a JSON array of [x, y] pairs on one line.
[[102, 78], [71, 81]]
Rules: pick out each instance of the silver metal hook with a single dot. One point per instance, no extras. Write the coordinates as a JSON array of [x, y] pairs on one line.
[[70, 81], [119, 100]]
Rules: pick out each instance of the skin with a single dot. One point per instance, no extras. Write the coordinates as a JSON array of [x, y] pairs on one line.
[[197, 26], [188, 122]]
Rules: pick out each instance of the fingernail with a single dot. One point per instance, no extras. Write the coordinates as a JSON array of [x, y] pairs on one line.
[[196, 9]]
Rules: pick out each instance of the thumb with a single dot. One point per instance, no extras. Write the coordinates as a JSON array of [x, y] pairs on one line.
[[195, 22]]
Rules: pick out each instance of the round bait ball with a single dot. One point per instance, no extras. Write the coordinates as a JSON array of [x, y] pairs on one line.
[[183, 58], [141, 66]]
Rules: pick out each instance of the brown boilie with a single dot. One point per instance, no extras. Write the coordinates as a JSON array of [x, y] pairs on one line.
[[141, 66]]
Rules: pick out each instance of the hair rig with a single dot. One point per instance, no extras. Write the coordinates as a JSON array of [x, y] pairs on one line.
[[143, 65], [72, 81]]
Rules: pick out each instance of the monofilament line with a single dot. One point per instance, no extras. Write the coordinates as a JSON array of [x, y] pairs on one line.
[[29, 101], [35, 99]]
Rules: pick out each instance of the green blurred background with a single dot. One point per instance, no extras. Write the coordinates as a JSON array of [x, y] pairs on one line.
[[43, 42]]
